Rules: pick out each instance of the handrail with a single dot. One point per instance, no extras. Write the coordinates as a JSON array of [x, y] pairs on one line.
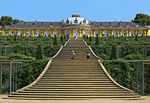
[[91, 49], [60, 49], [66, 42]]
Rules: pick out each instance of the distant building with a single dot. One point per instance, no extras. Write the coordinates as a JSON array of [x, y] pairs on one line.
[[76, 26]]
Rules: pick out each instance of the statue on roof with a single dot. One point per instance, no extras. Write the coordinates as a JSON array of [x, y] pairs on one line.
[[67, 21], [75, 21]]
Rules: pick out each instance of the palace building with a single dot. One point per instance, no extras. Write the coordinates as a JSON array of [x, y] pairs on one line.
[[76, 26]]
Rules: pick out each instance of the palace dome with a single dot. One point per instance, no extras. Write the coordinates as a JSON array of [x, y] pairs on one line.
[[76, 20]]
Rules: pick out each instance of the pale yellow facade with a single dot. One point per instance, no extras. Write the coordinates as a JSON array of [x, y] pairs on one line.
[[75, 32]]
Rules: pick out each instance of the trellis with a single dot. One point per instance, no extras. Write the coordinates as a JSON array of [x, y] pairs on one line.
[[138, 73], [13, 68], [139, 76]]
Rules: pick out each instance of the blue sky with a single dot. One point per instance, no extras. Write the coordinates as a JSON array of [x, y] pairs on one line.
[[57, 10]]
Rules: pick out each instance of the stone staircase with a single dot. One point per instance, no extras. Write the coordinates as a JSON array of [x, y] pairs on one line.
[[74, 79]]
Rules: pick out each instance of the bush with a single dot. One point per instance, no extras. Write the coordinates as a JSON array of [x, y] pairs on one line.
[[39, 52], [15, 56], [55, 40], [134, 57], [113, 52], [122, 73], [96, 40], [30, 71]]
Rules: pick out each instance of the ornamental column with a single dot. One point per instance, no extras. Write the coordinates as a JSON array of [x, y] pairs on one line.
[[79, 32], [32, 33]]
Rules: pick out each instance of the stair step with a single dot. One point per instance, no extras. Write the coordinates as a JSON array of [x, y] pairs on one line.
[[74, 75], [75, 86], [75, 80], [76, 94], [76, 90]]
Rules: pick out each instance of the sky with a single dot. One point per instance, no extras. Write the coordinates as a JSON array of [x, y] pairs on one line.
[[58, 10]]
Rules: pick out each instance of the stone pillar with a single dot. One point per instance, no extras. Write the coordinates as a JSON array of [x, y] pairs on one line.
[[119, 33], [51, 33], [148, 33], [71, 33], [79, 31], [145, 33], [110, 33], [100, 33], [41, 33], [32, 33], [128, 32]]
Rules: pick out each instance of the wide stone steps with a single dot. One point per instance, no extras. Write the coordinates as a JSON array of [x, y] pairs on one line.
[[74, 79]]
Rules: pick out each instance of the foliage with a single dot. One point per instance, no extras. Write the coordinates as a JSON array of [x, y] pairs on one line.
[[96, 40], [136, 37], [7, 20], [122, 72], [55, 40], [30, 71], [90, 38], [142, 19], [113, 52], [17, 56], [27, 49], [39, 52], [134, 57]]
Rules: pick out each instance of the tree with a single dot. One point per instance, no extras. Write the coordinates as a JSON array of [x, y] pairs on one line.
[[142, 19], [39, 52], [61, 38], [55, 40], [7, 20], [113, 52], [96, 40], [90, 38], [136, 37], [15, 21]]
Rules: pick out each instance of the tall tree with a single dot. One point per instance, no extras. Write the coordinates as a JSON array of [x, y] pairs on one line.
[[113, 54], [39, 52], [7, 20], [55, 40], [142, 19], [96, 40]]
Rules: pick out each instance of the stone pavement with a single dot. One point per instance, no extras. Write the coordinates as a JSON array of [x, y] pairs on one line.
[[146, 99]]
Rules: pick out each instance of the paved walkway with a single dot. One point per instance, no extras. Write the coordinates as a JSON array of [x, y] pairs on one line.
[[145, 100]]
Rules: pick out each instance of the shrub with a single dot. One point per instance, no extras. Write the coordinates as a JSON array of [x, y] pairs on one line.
[[134, 57], [113, 52], [15, 56], [55, 40], [39, 52], [96, 40], [30, 71]]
